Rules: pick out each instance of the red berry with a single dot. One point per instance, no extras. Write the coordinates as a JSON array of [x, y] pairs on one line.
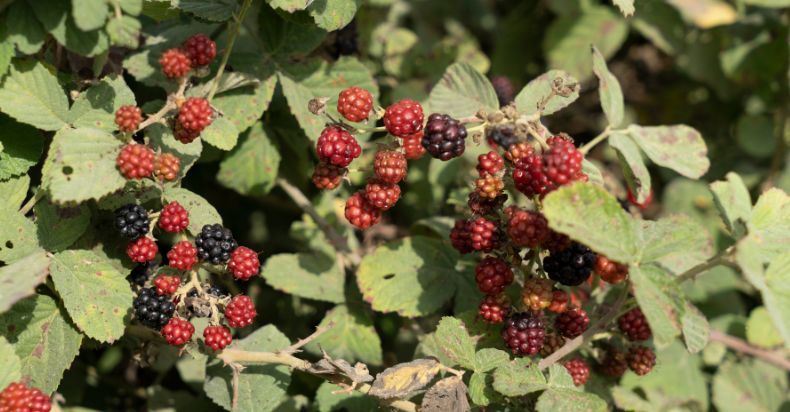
[[327, 176], [178, 331], [485, 235], [389, 166], [361, 213], [141, 250], [412, 146], [175, 63], [200, 49], [182, 256], [167, 285], [484, 206], [355, 104], [579, 371], [337, 146], [135, 161], [529, 177], [519, 151], [244, 263], [460, 236], [240, 311], [404, 118], [609, 270], [537, 293], [18, 397], [643, 205], [527, 229], [490, 163], [559, 301], [217, 337], [551, 343], [184, 135], [641, 360], [494, 308], [173, 218], [489, 186], [634, 325], [167, 166], [382, 195], [524, 333], [572, 323], [562, 162], [195, 114], [128, 118], [556, 242], [614, 363], [493, 275]]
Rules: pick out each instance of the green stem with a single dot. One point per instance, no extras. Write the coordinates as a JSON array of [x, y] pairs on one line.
[[480, 126], [598, 139], [229, 47], [371, 130], [719, 259], [27, 207]]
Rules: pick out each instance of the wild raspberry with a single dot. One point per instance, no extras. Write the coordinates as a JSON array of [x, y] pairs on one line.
[[389, 166], [504, 137], [519, 151], [579, 371], [460, 236], [182, 256], [404, 117], [240, 312], [184, 135], [556, 242], [195, 114], [142, 250], [200, 49], [641, 360], [140, 273], [361, 213], [135, 161], [527, 229], [494, 308], [536, 293], [610, 271], [444, 137], [18, 397], [382, 195], [570, 267], [614, 363], [504, 89], [490, 163], [178, 331], [167, 285], [337, 146], [493, 275], [562, 162], [483, 206], [551, 343], [217, 337], [559, 301], [244, 263], [173, 218], [128, 118], [355, 104], [327, 176], [634, 325], [485, 235], [167, 166], [489, 186], [175, 63], [153, 310], [572, 323], [648, 200], [132, 221], [412, 145], [215, 243], [524, 333]]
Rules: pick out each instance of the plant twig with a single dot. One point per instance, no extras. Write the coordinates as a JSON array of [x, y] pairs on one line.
[[296, 347], [776, 358], [228, 48], [28, 206], [597, 139], [719, 259], [169, 105]]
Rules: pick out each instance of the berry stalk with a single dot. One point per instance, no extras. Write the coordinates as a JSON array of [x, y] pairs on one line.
[[231, 40]]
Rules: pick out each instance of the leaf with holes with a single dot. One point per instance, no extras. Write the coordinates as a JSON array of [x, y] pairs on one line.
[[18, 237]]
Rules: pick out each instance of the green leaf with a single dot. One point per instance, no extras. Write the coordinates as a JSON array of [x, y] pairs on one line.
[[201, 212], [330, 397], [13, 192], [654, 290], [660, 23], [96, 295], [679, 147], [244, 106], [312, 276], [333, 14], [96, 106], [124, 31], [626, 7], [769, 3], [559, 377], [44, 340], [89, 14], [755, 135], [56, 18], [760, 329], [221, 133], [352, 338], [593, 172], [7, 51], [31, 94], [261, 387], [24, 29], [568, 35], [733, 201], [518, 378], [20, 278], [695, 328], [539, 92], [608, 89], [636, 174], [769, 223], [776, 295], [288, 5], [590, 215], [677, 242], [213, 10], [22, 147], [80, 165], [59, 227], [462, 91], [133, 7], [565, 399], [455, 342], [413, 276], [488, 359], [12, 366], [283, 37], [252, 167], [17, 236], [749, 386], [481, 391]]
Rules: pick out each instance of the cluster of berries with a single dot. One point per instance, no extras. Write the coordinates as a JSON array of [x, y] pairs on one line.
[[138, 161], [442, 137], [18, 397], [196, 51]]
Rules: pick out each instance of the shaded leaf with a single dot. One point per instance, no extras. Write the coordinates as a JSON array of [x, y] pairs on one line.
[[312, 276], [252, 167], [352, 338], [19, 279]]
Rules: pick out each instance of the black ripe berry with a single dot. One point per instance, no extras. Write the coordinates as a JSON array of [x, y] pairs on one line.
[[141, 273], [444, 137], [132, 221], [572, 266], [215, 243], [153, 310]]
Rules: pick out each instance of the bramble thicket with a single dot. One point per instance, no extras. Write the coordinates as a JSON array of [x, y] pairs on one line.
[[344, 205]]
